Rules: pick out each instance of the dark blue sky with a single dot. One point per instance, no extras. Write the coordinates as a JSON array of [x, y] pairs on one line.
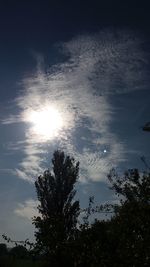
[[90, 61], [36, 26]]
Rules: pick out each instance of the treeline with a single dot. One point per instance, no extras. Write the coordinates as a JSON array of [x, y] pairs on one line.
[[64, 239]]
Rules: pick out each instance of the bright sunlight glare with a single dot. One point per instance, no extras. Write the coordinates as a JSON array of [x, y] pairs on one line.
[[46, 122]]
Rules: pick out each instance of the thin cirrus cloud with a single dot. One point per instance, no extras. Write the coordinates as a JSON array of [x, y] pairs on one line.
[[110, 62]]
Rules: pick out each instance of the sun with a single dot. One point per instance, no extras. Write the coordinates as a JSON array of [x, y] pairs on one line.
[[47, 122]]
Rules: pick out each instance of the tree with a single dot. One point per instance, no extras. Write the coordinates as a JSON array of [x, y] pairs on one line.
[[3, 249], [19, 252], [57, 221], [133, 186], [131, 222], [124, 239]]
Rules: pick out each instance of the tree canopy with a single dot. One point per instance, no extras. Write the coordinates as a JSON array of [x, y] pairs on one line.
[[58, 211]]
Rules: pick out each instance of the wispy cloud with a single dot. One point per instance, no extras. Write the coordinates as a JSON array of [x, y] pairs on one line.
[[28, 209], [110, 62]]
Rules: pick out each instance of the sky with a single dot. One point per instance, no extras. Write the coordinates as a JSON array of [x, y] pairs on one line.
[[76, 77]]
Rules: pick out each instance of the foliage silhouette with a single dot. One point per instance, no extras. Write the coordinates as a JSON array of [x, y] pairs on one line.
[[3, 249], [56, 224], [124, 239], [19, 252], [132, 218], [121, 240]]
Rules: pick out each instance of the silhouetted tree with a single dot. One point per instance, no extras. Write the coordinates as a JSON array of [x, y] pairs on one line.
[[131, 222], [133, 186], [124, 239], [3, 249], [3, 255], [19, 252], [56, 224]]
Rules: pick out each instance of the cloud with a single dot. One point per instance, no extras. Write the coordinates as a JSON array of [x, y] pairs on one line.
[[114, 60], [12, 119], [28, 209], [9, 171], [98, 66]]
